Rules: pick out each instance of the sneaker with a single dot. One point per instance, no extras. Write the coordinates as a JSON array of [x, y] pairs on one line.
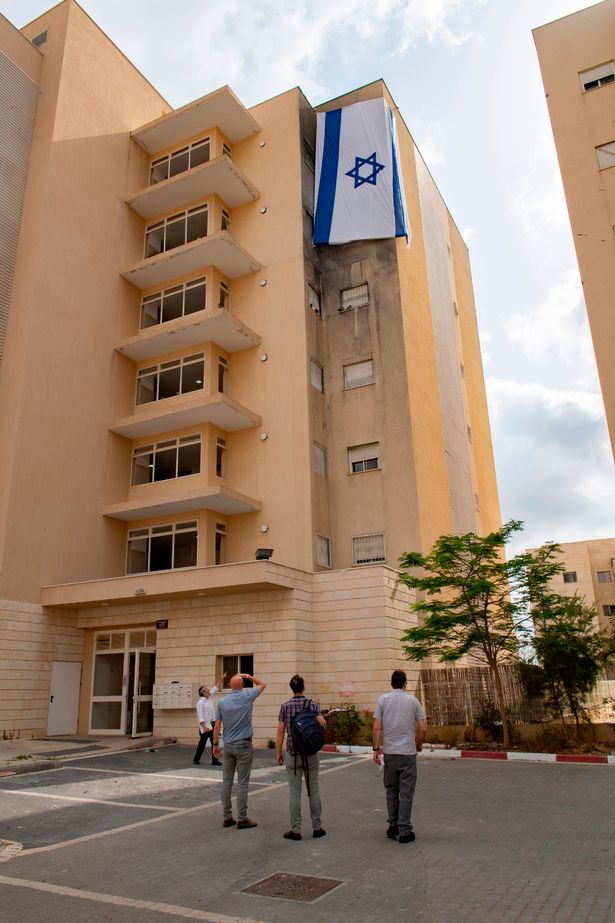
[[291, 835], [319, 832], [196, 762], [229, 822], [246, 824], [216, 763], [393, 832], [406, 838]]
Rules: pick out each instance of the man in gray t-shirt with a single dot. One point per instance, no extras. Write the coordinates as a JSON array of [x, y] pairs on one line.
[[399, 731]]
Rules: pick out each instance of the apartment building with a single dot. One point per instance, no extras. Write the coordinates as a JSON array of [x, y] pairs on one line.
[[577, 60], [217, 438]]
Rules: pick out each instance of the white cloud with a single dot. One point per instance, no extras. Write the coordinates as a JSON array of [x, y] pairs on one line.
[[468, 234], [431, 143], [557, 329], [437, 20]]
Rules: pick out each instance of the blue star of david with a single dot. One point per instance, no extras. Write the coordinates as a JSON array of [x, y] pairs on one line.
[[360, 178]]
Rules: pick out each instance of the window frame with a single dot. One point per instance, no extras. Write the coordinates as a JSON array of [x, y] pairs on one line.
[[366, 462], [244, 663], [571, 575], [367, 563], [360, 301], [167, 158], [360, 384], [155, 371], [604, 576], [165, 446], [314, 299], [172, 220], [320, 459], [323, 542], [605, 75], [183, 288], [150, 533]]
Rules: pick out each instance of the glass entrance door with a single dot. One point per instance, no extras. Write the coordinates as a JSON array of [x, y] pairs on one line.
[[122, 682]]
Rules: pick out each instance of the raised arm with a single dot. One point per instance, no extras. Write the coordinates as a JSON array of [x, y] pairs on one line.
[[259, 683]]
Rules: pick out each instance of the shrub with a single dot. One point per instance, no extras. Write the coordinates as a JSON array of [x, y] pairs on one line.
[[344, 723]]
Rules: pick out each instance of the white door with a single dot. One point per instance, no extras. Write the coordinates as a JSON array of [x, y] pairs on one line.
[[63, 698]]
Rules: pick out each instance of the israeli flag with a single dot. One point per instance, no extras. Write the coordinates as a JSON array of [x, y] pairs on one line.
[[359, 191]]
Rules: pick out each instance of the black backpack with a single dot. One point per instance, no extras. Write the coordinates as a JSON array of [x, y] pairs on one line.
[[308, 732], [309, 737]]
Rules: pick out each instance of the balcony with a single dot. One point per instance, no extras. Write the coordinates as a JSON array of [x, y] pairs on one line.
[[219, 249], [219, 498], [220, 109], [243, 577], [219, 176], [189, 409], [213, 325]]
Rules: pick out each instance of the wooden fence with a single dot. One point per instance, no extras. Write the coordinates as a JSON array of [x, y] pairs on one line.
[[459, 695]]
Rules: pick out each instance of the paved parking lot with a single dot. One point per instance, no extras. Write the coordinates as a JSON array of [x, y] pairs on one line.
[[136, 836]]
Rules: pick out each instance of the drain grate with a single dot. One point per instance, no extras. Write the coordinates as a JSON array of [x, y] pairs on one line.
[[304, 888]]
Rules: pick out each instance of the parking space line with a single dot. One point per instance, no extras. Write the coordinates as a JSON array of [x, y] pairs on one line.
[[177, 813], [117, 804], [152, 906], [147, 775]]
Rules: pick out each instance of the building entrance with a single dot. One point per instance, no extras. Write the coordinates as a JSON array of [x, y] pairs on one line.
[[122, 682]]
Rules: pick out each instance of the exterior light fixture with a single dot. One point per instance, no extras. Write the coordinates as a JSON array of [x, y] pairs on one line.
[[264, 357], [262, 283], [263, 554], [264, 210], [264, 527], [264, 437]]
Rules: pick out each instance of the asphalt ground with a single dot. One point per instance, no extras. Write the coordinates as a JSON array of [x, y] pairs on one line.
[[137, 836]]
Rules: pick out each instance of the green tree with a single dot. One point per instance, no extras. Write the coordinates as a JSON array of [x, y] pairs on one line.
[[570, 651], [472, 601]]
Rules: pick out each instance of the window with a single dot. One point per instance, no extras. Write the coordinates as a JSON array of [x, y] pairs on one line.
[[179, 376], [226, 149], [220, 457], [224, 296], [606, 155], [222, 374], [462, 369], [469, 431], [172, 303], [359, 373], [161, 548], [179, 161], [570, 576], [173, 458], [364, 457], [316, 376], [368, 549], [320, 460], [323, 551], [220, 547], [455, 308], [477, 503], [230, 664], [605, 576], [597, 76], [175, 231], [314, 300], [356, 297], [309, 156], [609, 609], [225, 221]]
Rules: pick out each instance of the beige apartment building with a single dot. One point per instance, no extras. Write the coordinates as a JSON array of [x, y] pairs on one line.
[[216, 438], [577, 60]]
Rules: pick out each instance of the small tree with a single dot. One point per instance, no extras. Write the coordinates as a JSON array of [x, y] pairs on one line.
[[570, 651], [475, 603]]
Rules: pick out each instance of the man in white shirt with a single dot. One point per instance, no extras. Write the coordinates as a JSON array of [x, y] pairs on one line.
[[205, 712], [399, 732]]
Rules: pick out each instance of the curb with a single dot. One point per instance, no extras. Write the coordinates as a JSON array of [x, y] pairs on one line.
[[513, 756], [18, 769]]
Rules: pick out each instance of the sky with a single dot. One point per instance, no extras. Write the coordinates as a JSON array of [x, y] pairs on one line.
[[465, 76]]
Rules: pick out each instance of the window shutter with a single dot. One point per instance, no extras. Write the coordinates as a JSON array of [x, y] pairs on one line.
[[355, 297], [359, 373], [368, 549]]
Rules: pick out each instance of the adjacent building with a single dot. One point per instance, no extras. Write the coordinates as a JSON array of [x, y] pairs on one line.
[[217, 439], [577, 60]]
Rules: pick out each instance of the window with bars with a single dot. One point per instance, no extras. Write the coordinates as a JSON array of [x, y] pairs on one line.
[[171, 303], [320, 460], [162, 548], [605, 576], [314, 300], [368, 549], [323, 551], [364, 457], [178, 376], [160, 461], [316, 376], [356, 297], [176, 230], [185, 158], [597, 76], [357, 374]]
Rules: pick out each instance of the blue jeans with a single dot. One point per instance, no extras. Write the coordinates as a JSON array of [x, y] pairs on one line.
[[294, 790], [237, 755]]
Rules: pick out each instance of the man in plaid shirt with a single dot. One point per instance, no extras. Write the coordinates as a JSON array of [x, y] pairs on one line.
[[294, 764]]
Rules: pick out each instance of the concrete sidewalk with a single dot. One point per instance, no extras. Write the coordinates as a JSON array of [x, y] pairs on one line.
[[37, 754]]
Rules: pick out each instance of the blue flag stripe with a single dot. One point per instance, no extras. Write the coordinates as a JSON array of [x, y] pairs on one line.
[[328, 177], [400, 224]]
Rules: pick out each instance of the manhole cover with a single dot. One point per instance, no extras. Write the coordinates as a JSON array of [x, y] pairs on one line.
[[293, 887]]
